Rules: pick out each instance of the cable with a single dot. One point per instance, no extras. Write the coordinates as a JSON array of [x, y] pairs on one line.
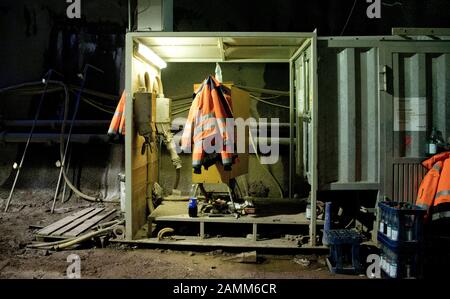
[[145, 9], [97, 107], [262, 90], [268, 103], [61, 147], [348, 19]]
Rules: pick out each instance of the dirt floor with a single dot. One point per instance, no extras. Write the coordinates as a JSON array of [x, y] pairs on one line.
[[121, 261]]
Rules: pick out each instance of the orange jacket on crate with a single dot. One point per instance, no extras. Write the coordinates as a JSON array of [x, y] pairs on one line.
[[205, 130], [434, 191]]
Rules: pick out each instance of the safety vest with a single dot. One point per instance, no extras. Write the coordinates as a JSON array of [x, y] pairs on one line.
[[206, 127], [434, 191], [117, 125]]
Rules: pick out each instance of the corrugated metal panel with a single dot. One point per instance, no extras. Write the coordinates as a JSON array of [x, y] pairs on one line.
[[440, 69], [348, 115], [407, 179]]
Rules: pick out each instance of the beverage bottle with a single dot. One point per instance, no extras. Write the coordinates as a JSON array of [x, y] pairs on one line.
[[389, 226], [192, 207], [394, 228], [393, 267], [382, 258], [382, 224], [432, 143], [409, 222], [387, 263]]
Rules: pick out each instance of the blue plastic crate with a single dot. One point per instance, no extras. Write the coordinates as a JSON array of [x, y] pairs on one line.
[[409, 225], [401, 263], [344, 251]]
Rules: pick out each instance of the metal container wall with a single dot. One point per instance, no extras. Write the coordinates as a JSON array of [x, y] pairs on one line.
[[348, 114], [378, 100]]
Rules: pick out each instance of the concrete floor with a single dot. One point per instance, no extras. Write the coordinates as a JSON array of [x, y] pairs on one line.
[[121, 261]]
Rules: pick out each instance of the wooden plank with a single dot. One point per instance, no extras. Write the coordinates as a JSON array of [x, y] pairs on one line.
[[88, 224], [63, 222], [225, 242], [77, 222]]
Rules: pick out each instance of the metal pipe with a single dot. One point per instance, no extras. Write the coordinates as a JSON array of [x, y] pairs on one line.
[[53, 123], [52, 137], [259, 140], [45, 80], [180, 123]]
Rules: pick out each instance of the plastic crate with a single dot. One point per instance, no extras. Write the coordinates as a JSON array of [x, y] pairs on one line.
[[404, 263], [344, 251], [408, 223]]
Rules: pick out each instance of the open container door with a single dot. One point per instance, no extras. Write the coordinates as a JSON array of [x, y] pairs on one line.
[[304, 118]]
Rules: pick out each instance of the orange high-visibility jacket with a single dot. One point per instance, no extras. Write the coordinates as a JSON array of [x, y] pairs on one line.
[[434, 191], [117, 125], [206, 131]]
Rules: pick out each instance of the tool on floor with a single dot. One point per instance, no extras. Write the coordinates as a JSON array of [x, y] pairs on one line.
[[45, 81], [75, 112]]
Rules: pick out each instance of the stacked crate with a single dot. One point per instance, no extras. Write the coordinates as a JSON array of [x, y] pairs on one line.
[[400, 238]]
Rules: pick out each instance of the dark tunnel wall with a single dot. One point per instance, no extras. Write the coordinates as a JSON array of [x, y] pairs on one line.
[[37, 35]]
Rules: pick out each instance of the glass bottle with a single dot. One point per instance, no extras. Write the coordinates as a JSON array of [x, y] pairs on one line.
[[393, 267], [432, 143], [409, 223], [394, 227], [382, 223], [389, 226]]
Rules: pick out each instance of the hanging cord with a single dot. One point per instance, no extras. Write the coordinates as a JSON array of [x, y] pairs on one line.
[[349, 17], [66, 109], [61, 147], [267, 102]]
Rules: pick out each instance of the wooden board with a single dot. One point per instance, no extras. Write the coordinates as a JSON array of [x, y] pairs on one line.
[[172, 211], [76, 224], [224, 242], [63, 222], [88, 224]]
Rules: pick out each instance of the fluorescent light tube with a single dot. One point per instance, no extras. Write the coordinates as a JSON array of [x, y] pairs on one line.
[[151, 56]]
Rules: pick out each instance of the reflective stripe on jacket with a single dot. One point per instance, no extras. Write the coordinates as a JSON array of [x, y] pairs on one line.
[[434, 191]]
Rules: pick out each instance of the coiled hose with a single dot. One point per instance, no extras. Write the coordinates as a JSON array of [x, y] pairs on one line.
[[61, 148], [66, 111]]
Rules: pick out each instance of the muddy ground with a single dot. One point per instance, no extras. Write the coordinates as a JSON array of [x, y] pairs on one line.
[[120, 261]]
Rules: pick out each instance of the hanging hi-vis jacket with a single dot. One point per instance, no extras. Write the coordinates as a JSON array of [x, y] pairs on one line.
[[434, 191], [117, 125], [206, 132]]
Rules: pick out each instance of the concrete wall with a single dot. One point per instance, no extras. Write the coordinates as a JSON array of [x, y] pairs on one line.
[[35, 37]]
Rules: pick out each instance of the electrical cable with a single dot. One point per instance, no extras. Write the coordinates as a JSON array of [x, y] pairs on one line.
[[349, 17], [61, 147], [262, 90], [145, 9], [268, 103], [96, 106]]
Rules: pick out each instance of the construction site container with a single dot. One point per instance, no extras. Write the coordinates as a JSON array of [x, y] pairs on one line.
[[361, 108]]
